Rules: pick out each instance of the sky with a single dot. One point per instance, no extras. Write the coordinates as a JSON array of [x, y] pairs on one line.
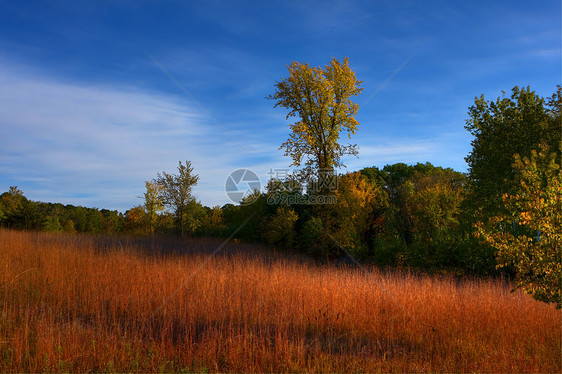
[[98, 97]]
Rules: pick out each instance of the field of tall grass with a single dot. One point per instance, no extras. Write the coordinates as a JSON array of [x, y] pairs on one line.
[[83, 304]]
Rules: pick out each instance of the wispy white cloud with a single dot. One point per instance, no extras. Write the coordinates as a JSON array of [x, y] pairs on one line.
[[95, 145]]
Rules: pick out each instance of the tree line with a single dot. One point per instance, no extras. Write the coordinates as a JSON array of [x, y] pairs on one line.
[[503, 215]]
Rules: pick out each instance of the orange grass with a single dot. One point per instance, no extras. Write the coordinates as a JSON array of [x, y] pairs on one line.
[[67, 306]]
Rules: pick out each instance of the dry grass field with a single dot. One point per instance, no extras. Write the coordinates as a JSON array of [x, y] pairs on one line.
[[83, 304]]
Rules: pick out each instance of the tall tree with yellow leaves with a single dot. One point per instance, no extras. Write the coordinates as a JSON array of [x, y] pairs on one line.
[[321, 100]]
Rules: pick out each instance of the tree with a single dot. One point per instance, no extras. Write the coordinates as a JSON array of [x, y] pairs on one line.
[[26, 217], [279, 228], [554, 121], [395, 181], [176, 192], [434, 205], [501, 128], [357, 216], [51, 223], [153, 204], [111, 220], [17, 212], [193, 216], [135, 219], [68, 226], [321, 99], [528, 236], [212, 223], [11, 202]]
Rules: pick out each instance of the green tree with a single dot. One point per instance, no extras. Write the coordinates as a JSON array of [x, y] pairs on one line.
[[321, 100], [212, 222], [250, 216], [69, 226], [11, 202], [26, 217], [435, 202], [501, 128], [193, 216], [528, 236], [357, 216], [176, 193], [17, 212], [554, 126], [51, 223], [279, 228], [395, 181], [433, 207], [312, 238], [153, 204]]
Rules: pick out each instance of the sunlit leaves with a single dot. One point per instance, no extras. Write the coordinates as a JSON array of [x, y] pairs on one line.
[[153, 204], [357, 214], [529, 236], [176, 192], [321, 99], [501, 128]]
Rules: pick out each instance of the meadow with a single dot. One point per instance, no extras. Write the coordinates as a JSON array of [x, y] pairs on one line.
[[79, 303]]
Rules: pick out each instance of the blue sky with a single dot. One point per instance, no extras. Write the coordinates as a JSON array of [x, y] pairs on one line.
[[87, 114]]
